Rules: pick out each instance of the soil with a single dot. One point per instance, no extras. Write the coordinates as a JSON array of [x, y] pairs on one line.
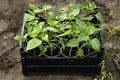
[[11, 17]]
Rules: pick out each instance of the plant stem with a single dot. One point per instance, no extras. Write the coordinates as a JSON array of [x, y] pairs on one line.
[[70, 51], [83, 45], [88, 49], [51, 49]]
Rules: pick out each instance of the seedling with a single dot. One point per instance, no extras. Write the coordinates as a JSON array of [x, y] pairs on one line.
[[112, 14], [74, 28], [113, 31], [104, 74]]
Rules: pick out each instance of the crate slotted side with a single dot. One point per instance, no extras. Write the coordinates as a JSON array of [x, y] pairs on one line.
[[42, 65]]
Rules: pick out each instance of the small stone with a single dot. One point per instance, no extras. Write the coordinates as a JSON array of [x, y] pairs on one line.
[[3, 25], [5, 37], [110, 45]]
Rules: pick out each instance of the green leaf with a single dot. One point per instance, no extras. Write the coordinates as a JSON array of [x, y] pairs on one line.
[[63, 17], [76, 30], [64, 9], [31, 12], [46, 7], [80, 23], [40, 25], [95, 43], [92, 6], [77, 6], [91, 30], [52, 15], [67, 32], [66, 27], [28, 17], [52, 23], [83, 37], [37, 29], [72, 14], [73, 43], [34, 8], [33, 43], [99, 17], [29, 28], [33, 22], [20, 38], [42, 49], [25, 36], [80, 52], [86, 18], [52, 29], [45, 37], [35, 32], [63, 45]]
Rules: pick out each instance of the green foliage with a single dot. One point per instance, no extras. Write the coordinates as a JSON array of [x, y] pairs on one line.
[[46, 7], [80, 23], [72, 28], [91, 30], [112, 14], [86, 18], [42, 49], [53, 29], [73, 13], [104, 74], [45, 37], [28, 17], [34, 9], [37, 29], [83, 37], [52, 16], [64, 9], [63, 17], [80, 52], [92, 6], [33, 43], [99, 17], [67, 32], [95, 43], [21, 37], [113, 31], [73, 43], [52, 23]]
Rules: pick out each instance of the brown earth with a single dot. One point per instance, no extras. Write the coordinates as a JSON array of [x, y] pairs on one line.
[[11, 15]]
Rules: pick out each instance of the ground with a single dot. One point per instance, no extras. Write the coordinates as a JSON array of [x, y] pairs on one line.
[[11, 17]]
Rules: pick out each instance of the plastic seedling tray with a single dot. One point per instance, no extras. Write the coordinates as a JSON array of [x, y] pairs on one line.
[[87, 65]]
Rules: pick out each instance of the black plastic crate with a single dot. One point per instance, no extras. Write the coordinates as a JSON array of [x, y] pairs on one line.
[[61, 65], [88, 65]]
